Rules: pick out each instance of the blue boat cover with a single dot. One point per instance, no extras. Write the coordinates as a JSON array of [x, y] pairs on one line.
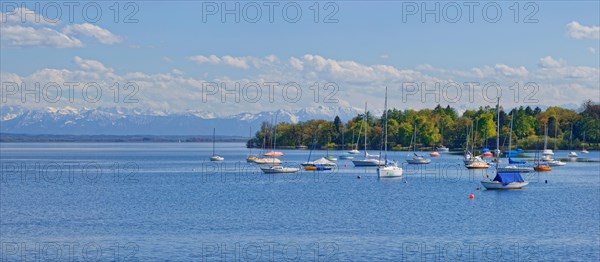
[[485, 150], [507, 178], [510, 161]]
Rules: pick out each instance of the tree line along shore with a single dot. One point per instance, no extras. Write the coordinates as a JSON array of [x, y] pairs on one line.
[[443, 126]]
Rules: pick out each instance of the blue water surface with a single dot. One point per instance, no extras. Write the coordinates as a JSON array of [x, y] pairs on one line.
[[167, 202]]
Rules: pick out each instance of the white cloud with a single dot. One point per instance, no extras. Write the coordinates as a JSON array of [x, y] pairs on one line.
[[511, 71], [102, 35], [91, 65], [424, 67], [549, 62], [21, 36], [592, 50], [296, 63], [174, 90], [25, 28], [578, 31], [243, 62], [384, 56]]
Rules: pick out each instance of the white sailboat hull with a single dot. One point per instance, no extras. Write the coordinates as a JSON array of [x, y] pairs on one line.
[[498, 185], [389, 172], [279, 170], [368, 162], [216, 158], [354, 152], [418, 161]]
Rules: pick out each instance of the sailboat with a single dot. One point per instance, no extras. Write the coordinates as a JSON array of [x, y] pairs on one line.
[[546, 151], [583, 151], [546, 157], [467, 157], [475, 162], [417, 159], [504, 180], [328, 156], [271, 152], [369, 160], [390, 169], [251, 157], [355, 151], [572, 153], [541, 166], [320, 164], [214, 156], [442, 148]]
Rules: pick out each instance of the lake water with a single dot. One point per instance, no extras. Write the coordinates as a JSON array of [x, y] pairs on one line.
[[166, 202]]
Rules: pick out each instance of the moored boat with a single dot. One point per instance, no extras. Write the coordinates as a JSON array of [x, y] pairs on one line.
[[279, 169]]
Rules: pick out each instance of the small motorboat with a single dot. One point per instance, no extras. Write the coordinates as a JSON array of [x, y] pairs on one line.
[[477, 165], [273, 153], [251, 158], [216, 158], [585, 151], [434, 154], [442, 149], [547, 152], [418, 160], [506, 181], [547, 158], [572, 154], [556, 163], [279, 169], [354, 152], [542, 168]]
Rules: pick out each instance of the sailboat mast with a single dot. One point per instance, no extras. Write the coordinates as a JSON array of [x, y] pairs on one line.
[[571, 137], [366, 124], [415, 138], [385, 123], [555, 132], [510, 135], [275, 133], [213, 141], [545, 136], [498, 128]]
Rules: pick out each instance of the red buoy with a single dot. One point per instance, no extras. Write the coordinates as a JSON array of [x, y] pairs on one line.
[[472, 196]]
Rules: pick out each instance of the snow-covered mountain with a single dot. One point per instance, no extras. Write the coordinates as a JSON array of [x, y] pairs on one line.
[[127, 121]]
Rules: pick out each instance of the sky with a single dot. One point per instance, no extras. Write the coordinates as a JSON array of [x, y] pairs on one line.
[[174, 56]]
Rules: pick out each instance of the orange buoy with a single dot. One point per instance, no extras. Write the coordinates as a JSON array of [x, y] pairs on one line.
[[472, 196]]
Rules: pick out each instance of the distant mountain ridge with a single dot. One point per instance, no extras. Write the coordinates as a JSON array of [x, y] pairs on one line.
[[127, 121]]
